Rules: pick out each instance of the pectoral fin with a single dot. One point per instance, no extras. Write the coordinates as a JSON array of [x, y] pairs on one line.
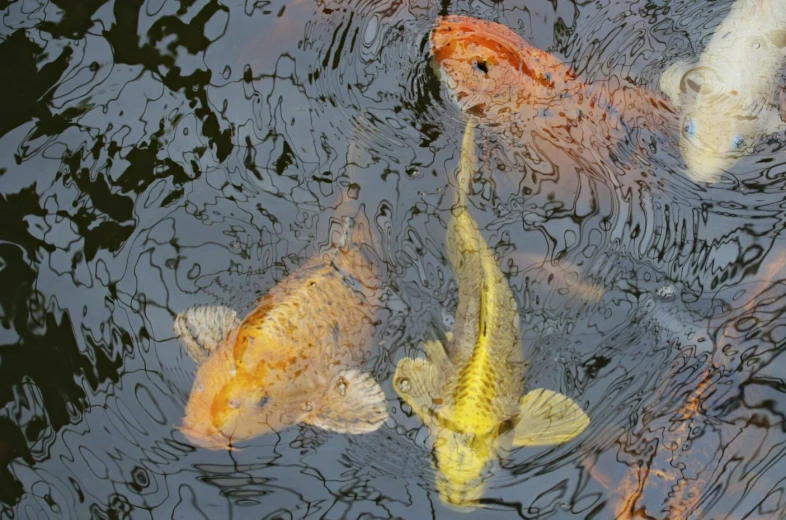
[[200, 329], [354, 403], [416, 382], [547, 417]]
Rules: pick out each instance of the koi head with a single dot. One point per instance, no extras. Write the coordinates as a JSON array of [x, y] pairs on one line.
[[713, 140], [717, 125], [229, 403], [488, 69]]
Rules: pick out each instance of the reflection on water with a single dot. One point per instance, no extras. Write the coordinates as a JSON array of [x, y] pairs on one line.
[[159, 155]]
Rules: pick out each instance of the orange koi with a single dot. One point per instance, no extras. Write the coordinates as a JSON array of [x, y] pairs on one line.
[[296, 358], [492, 73], [663, 473]]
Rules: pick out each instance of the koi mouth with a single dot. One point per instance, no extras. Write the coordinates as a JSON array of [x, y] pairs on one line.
[[215, 441]]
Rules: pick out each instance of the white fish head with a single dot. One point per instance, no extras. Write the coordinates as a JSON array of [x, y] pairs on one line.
[[713, 138]]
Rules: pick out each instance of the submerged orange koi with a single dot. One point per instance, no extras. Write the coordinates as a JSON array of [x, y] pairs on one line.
[[294, 359], [494, 74], [678, 470]]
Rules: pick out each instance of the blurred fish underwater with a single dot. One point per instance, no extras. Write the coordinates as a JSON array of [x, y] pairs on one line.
[[729, 98]]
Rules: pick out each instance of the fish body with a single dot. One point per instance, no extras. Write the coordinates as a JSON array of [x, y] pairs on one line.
[[495, 75], [728, 99], [468, 391], [294, 359]]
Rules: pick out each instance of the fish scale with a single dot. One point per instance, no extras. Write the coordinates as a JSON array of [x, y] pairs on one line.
[[475, 391]]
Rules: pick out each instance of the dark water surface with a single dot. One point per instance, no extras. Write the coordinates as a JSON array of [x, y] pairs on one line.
[[161, 154]]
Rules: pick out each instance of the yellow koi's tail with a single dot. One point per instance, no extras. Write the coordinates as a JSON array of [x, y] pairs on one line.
[[467, 164]]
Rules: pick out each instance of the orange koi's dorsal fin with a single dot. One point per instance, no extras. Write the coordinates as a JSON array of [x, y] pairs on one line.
[[349, 232], [354, 254], [345, 240]]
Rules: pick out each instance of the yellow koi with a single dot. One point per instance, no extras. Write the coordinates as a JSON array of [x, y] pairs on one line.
[[468, 391]]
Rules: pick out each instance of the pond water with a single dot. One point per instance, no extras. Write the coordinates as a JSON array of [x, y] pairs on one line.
[[161, 154]]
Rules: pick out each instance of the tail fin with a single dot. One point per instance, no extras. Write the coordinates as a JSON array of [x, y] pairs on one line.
[[355, 253], [353, 228]]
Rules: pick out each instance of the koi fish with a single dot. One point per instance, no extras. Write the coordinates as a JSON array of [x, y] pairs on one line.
[[294, 359], [563, 276], [677, 470], [728, 99], [490, 70], [468, 391], [493, 74]]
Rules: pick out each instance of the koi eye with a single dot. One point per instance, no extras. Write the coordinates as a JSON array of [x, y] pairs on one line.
[[482, 66], [234, 403], [690, 128], [263, 402], [737, 142]]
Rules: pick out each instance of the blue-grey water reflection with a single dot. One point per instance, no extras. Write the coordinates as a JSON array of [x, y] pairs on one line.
[[162, 154]]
